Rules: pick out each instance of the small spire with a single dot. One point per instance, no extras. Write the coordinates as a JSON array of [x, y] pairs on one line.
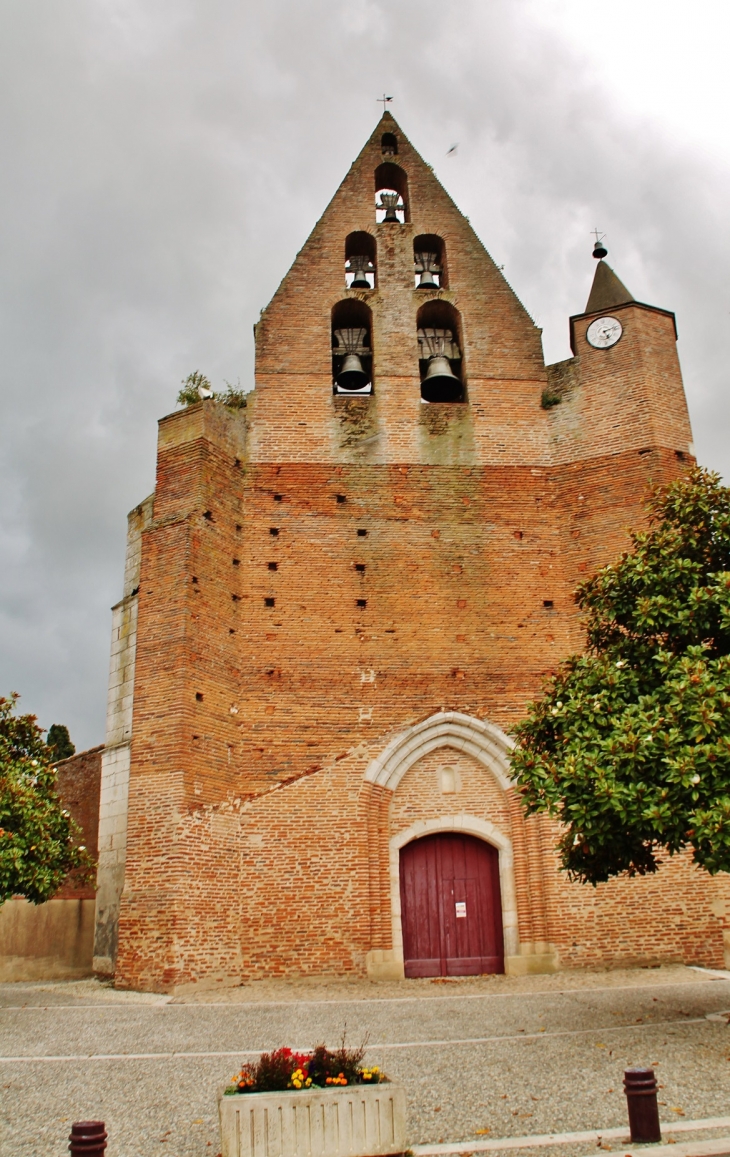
[[607, 290]]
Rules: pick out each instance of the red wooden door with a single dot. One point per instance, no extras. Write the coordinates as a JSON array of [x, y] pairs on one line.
[[451, 906]]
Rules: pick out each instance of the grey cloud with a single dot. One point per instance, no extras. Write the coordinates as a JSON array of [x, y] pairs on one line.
[[163, 162]]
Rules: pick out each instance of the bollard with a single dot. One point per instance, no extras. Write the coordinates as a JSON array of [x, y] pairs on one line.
[[640, 1088], [88, 1139]]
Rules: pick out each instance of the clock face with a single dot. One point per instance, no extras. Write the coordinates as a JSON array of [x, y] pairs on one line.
[[604, 332]]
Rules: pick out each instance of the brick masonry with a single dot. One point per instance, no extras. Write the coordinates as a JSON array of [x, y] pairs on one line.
[[78, 785], [327, 585]]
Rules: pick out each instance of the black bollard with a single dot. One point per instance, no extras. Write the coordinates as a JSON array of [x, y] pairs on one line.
[[88, 1139], [640, 1088]]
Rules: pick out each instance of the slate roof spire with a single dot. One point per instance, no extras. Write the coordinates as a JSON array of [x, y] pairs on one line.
[[607, 290]]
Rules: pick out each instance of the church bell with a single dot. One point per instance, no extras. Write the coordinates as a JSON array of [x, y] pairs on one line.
[[389, 202], [426, 265], [360, 266], [426, 280], [352, 376], [440, 383], [352, 348], [599, 250]]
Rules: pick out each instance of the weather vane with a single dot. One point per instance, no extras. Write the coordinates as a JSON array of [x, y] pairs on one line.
[[384, 100]]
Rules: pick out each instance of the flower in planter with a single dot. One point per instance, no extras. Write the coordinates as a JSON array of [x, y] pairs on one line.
[[322, 1068]]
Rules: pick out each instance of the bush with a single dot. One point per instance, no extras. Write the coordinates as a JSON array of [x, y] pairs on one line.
[[234, 397], [189, 395]]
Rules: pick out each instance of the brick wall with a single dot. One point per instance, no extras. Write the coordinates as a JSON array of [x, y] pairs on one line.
[[78, 782]]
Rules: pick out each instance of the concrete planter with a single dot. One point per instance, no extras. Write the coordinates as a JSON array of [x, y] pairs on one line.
[[354, 1121]]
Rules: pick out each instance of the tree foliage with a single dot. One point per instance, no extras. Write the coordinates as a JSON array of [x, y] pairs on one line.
[[630, 744], [39, 842], [59, 741]]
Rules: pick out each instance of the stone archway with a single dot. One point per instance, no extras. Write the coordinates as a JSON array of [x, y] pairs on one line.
[[490, 747]]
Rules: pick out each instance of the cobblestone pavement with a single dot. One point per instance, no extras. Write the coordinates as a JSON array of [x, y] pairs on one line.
[[484, 1057]]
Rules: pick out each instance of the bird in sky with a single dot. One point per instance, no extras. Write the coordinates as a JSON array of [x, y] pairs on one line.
[[450, 152]]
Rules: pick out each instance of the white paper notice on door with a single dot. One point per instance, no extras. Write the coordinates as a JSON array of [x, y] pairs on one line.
[[460, 908]]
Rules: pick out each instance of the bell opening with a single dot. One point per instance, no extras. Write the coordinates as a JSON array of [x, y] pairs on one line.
[[429, 262], [352, 360], [360, 257], [391, 194], [389, 145], [440, 355]]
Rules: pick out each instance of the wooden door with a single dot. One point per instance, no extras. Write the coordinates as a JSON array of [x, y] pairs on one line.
[[451, 906]]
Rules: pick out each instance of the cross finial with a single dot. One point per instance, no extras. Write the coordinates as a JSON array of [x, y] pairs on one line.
[[598, 235], [385, 101]]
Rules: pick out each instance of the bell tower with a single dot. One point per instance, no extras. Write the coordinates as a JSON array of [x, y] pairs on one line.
[[393, 302], [376, 556]]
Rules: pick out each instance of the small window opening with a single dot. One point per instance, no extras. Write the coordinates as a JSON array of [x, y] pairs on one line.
[[548, 604], [236, 562], [274, 530], [361, 602], [269, 602], [207, 514], [680, 455], [360, 261], [389, 145], [391, 194], [352, 357], [360, 566], [239, 528], [273, 566], [199, 696], [195, 578], [237, 462], [429, 262], [439, 355], [278, 498], [231, 630], [236, 598], [361, 533], [341, 498]]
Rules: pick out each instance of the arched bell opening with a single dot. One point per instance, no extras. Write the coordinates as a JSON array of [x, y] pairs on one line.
[[389, 145], [439, 353], [352, 355], [429, 262], [360, 265], [391, 194]]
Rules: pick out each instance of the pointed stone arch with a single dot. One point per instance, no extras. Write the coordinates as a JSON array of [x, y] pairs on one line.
[[483, 741]]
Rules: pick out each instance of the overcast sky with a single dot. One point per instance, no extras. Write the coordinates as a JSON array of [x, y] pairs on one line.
[[164, 160]]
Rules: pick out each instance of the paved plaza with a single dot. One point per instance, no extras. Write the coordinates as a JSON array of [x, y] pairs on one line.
[[481, 1059]]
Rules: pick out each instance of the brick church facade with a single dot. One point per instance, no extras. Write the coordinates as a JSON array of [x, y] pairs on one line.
[[338, 601]]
